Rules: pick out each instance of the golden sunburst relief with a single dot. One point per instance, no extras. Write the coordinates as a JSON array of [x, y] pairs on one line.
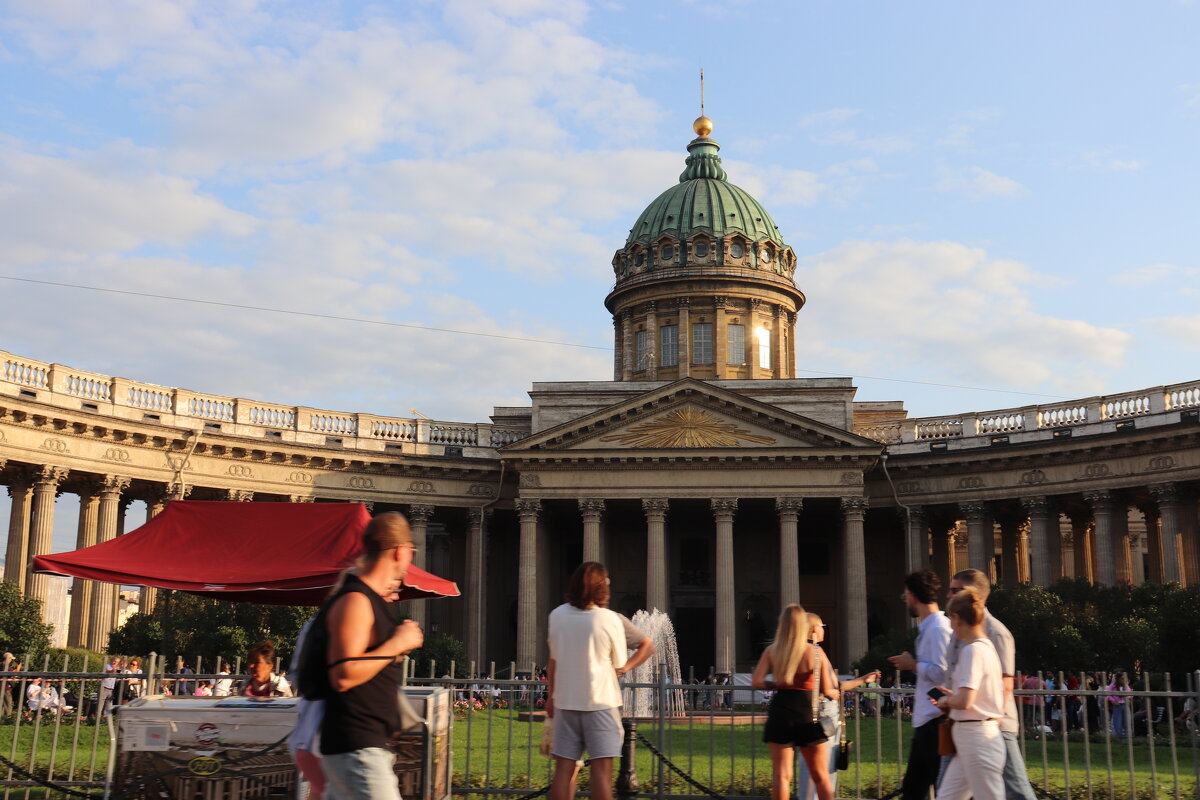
[[686, 427]]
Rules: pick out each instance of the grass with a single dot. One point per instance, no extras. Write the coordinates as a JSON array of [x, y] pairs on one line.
[[503, 753]]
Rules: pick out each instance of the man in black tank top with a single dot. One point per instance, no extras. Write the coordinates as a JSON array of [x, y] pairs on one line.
[[362, 713]]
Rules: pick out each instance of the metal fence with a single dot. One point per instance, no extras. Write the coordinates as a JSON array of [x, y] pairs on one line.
[[1082, 741]]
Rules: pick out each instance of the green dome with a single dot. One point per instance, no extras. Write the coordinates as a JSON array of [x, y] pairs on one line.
[[704, 200]]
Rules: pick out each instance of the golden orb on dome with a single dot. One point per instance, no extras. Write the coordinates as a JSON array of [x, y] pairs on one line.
[[702, 126]]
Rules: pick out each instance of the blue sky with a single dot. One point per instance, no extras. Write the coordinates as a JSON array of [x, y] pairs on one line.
[[989, 195]]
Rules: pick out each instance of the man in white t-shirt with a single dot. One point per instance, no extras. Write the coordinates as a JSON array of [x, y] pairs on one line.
[[587, 657]]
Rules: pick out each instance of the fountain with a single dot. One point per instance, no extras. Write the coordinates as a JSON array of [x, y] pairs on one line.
[[640, 703]]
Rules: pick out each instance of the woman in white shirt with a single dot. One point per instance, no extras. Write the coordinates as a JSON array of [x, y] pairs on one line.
[[975, 707]]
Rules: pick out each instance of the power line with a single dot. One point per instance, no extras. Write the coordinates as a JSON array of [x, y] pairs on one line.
[[295, 313], [414, 326]]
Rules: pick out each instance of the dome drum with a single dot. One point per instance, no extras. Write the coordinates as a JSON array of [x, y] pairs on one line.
[[703, 249]]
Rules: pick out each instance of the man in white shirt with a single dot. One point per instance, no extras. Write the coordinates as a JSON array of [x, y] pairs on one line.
[[587, 656], [1016, 778], [933, 640]]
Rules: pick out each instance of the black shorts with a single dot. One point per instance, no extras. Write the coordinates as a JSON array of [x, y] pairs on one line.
[[790, 720]]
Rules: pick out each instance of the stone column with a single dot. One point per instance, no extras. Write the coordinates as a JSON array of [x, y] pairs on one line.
[[788, 509], [726, 656], [683, 304], [1082, 531], [104, 595], [720, 337], [1045, 563], [618, 367], [41, 534], [789, 359], [155, 505], [591, 509], [476, 558], [418, 520], [980, 546], [943, 554], [1103, 512], [656, 509], [82, 590], [17, 555], [777, 354], [1137, 564], [916, 549], [1189, 564], [1122, 564], [854, 588], [651, 347], [1010, 550], [627, 361], [1170, 510], [527, 585], [239, 495]]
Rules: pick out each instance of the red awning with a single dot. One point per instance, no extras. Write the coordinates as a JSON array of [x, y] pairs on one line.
[[273, 553]]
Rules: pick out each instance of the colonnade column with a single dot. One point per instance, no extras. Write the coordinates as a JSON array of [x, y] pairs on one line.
[[1045, 563], [854, 589], [778, 354], [1189, 547], [527, 587], [1122, 565], [1102, 513], [980, 545], [788, 509], [651, 346], [1010, 550], [155, 504], [916, 545], [1154, 563], [1169, 508], [101, 612], [721, 336], [943, 553], [618, 367], [655, 509], [726, 656], [17, 553], [418, 520], [82, 590], [476, 556], [591, 509], [1137, 563], [1082, 531], [685, 336], [41, 534]]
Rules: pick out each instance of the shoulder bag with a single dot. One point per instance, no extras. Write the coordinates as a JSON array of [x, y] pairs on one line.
[[828, 726], [845, 746]]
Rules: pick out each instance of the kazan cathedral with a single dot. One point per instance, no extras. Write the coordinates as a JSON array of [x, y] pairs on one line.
[[715, 484]]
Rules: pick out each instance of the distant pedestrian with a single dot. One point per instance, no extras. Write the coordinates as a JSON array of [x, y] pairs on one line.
[[108, 685], [223, 685], [263, 682], [794, 718], [587, 659]]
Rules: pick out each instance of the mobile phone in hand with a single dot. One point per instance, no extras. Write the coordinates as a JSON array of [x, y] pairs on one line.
[[936, 694]]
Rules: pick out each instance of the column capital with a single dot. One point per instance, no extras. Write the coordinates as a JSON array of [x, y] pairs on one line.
[[239, 495], [591, 507], [724, 507], [3, 463], [528, 508], [1068, 538], [852, 506], [720, 301], [159, 495], [655, 507], [789, 506], [1165, 493], [178, 491], [48, 475], [626, 314], [974, 510], [1135, 539], [420, 513], [916, 514], [477, 515], [683, 302], [112, 485], [301, 498], [1101, 501], [1038, 506]]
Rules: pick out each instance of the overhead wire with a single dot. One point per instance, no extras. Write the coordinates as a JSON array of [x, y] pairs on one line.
[[459, 331]]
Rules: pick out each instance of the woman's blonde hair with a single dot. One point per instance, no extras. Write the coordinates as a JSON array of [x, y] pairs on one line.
[[813, 620], [967, 605], [791, 641]]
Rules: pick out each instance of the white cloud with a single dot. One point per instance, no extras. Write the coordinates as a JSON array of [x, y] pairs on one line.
[[1103, 160], [1152, 273], [828, 117], [978, 183], [884, 144], [945, 311], [962, 127]]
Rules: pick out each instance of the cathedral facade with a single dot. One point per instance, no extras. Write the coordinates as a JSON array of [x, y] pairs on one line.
[[715, 484]]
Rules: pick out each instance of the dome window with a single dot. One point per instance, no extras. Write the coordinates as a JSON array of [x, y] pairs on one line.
[[701, 249], [641, 259], [737, 250], [668, 252]]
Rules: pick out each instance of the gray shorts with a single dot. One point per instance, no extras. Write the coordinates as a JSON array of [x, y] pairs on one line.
[[598, 732]]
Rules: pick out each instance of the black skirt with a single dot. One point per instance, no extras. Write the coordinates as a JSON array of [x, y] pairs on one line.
[[790, 720]]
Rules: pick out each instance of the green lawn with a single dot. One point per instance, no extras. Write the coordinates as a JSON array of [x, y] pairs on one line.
[[733, 760]]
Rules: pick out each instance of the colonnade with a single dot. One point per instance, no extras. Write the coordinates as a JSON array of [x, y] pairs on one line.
[[1043, 538], [656, 512]]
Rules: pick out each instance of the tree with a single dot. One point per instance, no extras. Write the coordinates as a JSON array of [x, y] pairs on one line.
[[21, 628], [892, 643], [440, 649]]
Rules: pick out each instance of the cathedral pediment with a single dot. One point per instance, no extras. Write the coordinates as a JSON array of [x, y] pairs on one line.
[[690, 415]]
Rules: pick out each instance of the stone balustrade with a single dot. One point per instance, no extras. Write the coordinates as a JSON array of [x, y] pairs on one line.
[[1160, 405], [57, 385]]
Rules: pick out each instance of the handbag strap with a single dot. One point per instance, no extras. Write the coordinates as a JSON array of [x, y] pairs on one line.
[[816, 697]]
